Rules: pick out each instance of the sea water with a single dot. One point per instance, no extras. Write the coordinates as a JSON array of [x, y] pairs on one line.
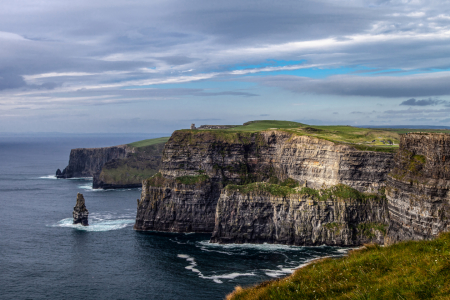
[[44, 256]]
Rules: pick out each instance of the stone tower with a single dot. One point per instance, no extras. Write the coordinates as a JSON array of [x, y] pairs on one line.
[[193, 126]]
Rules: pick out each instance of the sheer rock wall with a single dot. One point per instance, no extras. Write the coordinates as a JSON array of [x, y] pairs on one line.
[[243, 157], [418, 188], [297, 220]]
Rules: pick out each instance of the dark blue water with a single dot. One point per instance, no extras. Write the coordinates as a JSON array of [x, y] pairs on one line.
[[42, 255]]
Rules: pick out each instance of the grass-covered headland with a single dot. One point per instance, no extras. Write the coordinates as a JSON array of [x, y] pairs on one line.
[[407, 270], [365, 139]]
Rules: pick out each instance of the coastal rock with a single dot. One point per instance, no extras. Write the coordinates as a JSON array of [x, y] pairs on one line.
[[80, 213], [177, 207], [245, 157], [259, 217], [418, 188], [128, 172], [85, 162]]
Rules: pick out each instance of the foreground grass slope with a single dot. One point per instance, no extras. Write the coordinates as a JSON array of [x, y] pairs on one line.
[[408, 270]]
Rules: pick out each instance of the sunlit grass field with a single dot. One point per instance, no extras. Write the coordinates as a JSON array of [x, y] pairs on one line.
[[407, 270], [149, 142]]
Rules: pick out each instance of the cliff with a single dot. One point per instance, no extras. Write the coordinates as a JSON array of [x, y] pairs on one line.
[[85, 162], [234, 157], [418, 188], [123, 166], [128, 172], [300, 218], [174, 206]]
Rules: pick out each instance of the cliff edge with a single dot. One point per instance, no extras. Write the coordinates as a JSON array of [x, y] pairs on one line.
[[418, 187], [197, 165]]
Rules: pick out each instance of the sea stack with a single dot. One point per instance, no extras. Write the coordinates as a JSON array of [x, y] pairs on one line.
[[80, 213]]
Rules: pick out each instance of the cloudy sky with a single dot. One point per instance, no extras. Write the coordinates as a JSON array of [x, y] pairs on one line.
[[156, 66]]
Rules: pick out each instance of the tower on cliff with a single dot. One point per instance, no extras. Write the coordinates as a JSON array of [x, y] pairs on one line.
[[193, 126]]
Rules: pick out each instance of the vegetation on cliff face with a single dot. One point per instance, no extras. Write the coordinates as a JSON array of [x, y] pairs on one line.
[[158, 180], [407, 270], [137, 166], [192, 179], [290, 187], [410, 166]]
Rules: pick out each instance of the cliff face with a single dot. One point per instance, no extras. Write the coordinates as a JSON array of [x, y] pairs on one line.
[[177, 207], [258, 156], [243, 157], [298, 220], [85, 162], [418, 188], [128, 172]]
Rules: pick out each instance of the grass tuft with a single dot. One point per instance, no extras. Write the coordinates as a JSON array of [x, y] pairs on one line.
[[188, 180], [408, 270]]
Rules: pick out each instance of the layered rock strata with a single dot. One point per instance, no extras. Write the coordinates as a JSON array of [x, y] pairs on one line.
[[259, 217], [244, 157], [80, 212], [418, 188], [177, 207], [128, 172], [86, 162]]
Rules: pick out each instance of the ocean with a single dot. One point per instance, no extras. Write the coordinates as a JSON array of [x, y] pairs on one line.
[[44, 256]]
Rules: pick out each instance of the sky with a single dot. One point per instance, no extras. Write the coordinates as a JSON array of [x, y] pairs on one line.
[[121, 66]]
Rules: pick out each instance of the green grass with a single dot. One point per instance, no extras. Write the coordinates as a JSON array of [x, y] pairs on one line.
[[149, 142], [408, 270], [157, 180], [126, 175], [265, 125], [189, 180], [361, 138]]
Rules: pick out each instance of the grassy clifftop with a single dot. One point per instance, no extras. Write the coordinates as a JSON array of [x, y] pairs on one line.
[[408, 270], [149, 142], [365, 139]]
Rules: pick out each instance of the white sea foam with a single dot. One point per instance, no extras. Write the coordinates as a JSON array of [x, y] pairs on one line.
[[260, 247], [48, 177], [97, 225], [86, 187], [80, 178], [89, 188], [216, 278], [279, 272]]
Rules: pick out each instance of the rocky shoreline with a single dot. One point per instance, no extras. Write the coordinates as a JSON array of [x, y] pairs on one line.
[[211, 163]]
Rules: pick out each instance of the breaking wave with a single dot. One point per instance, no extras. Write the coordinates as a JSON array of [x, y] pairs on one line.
[[48, 177], [98, 224], [216, 278]]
